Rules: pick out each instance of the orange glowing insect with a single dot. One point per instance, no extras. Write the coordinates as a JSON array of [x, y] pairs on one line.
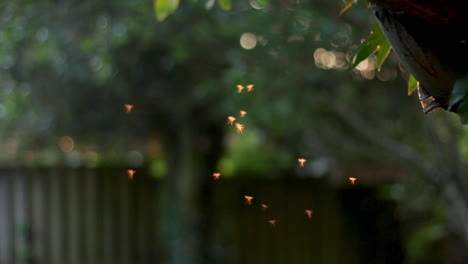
[[131, 173], [301, 162], [240, 128], [128, 108], [231, 120], [272, 223], [248, 199], [264, 206], [309, 213], [352, 180], [240, 88], [216, 176], [250, 87], [242, 113]]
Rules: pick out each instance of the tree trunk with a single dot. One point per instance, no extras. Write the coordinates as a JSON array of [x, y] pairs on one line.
[[186, 194]]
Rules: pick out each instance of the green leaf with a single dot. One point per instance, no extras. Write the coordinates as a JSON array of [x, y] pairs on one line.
[[225, 4], [164, 8], [462, 111], [457, 101], [459, 92], [262, 2], [412, 84], [382, 53], [348, 4], [376, 42]]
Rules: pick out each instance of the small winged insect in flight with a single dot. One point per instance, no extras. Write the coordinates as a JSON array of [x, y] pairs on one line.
[[250, 87], [131, 174], [242, 113], [128, 108], [264, 206], [352, 180], [248, 199], [216, 176], [240, 88], [231, 120], [272, 223], [301, 162], [240, 128], [308, 213]]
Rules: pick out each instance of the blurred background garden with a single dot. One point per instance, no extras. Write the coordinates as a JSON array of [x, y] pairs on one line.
[[68, 68]]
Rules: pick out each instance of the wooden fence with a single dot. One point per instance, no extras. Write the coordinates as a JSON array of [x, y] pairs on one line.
[[84, 216]]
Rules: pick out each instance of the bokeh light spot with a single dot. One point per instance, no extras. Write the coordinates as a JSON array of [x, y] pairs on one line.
[[66, 144], [248, 41]]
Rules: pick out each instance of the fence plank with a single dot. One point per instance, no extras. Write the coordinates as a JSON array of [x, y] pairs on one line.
[[6, 217], [38, 216], [91, 217], [56, 223], [124, 215], [74, 213], [20, 225]]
